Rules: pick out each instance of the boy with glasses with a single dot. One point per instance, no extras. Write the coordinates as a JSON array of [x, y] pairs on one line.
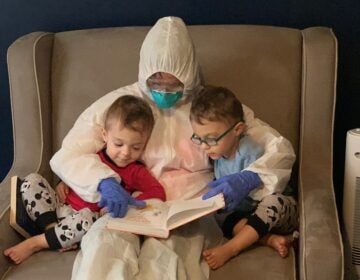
[[218, 124]]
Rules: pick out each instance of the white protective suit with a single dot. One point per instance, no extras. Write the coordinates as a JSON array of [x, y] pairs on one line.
[[180, 165]]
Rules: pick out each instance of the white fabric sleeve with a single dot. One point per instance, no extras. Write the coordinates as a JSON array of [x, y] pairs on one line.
[[76, 163], [274, 166]]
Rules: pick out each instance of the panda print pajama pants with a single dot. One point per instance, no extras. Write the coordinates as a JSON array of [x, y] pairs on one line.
[[275, 213], [43, 207]]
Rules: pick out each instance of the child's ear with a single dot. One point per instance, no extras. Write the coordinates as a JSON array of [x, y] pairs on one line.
[[240, 128], [104, 135]]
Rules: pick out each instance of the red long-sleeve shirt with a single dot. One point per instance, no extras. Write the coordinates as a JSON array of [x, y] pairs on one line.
[[134, 177]]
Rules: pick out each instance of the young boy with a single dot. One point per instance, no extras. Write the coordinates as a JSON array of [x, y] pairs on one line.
[[128, 125], [217, 121]]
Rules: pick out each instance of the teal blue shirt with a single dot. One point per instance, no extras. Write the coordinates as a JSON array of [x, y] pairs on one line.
[[247, 152]]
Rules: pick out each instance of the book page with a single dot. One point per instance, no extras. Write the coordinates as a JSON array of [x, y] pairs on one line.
[[181, 212], [153, 215]]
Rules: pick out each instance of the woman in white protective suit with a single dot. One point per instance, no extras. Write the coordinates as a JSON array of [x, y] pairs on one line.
[[168, 77]]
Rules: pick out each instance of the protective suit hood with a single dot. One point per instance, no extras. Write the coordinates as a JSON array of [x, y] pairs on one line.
[[168, 48]]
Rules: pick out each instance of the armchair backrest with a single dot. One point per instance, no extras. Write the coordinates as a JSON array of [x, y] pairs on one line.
[[263, 65]]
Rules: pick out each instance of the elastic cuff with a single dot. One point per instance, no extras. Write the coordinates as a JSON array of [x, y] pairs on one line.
[[52, 239], [256, 223], [46, 219]]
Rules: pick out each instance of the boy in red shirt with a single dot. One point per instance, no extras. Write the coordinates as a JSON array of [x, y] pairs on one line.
[[63, 216]]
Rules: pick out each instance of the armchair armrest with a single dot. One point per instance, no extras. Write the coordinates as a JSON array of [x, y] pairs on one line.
[[321, 251], [29, 60], [29, 78]]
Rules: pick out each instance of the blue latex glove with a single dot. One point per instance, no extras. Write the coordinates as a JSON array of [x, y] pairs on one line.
[[115, 198], [235, 187]]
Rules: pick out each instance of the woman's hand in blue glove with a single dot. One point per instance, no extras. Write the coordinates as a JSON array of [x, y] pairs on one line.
[[115, 198], [235, 187]]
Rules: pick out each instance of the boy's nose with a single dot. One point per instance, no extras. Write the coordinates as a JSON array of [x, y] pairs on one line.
[[204, 146], [126, 151]]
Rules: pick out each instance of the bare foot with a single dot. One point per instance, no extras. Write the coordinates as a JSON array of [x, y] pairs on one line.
[[218, 256], [281, 243], [25, 249]]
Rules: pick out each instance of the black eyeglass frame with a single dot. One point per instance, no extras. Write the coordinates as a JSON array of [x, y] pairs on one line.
[[214, 141]]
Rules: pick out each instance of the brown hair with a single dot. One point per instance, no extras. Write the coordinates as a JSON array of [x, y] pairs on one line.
[[133, 113], [216, 104]]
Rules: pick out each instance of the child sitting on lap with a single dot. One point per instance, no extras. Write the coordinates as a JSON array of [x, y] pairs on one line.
[[63, 216]]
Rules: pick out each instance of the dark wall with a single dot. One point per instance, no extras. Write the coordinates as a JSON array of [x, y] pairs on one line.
[[18, 17]]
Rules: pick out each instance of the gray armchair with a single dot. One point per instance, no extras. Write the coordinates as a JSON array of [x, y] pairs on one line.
[[287, 76]]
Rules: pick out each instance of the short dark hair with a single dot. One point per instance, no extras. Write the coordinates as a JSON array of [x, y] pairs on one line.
[[216, 104], [133, 112]]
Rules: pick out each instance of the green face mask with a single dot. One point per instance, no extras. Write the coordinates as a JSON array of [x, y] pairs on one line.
[[165, 100]]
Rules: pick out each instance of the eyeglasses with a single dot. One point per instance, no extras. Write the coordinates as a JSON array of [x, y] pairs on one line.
[[158, 84], [208, 140]]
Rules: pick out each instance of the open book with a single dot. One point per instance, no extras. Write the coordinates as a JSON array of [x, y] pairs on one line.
[[19, 219], [158, 218]]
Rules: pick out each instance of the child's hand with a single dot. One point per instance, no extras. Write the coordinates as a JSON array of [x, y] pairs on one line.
[[62, 191], [115, 198], [235, 187], [103, 211]]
